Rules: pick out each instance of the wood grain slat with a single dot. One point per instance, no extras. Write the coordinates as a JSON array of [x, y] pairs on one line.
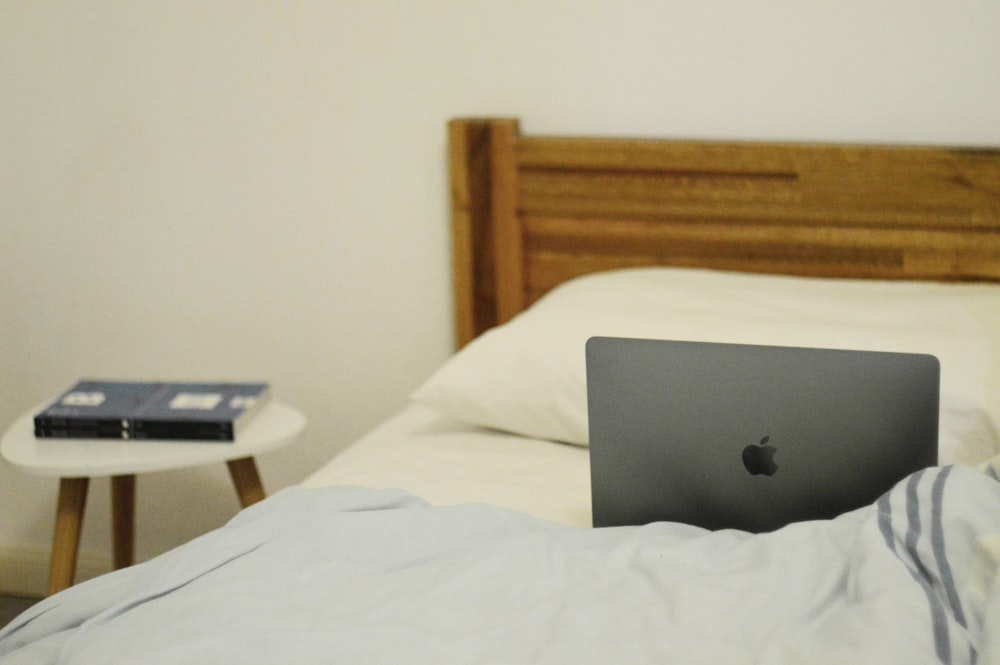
[[581, 153], [633, 236], [833, 213], [549, 270], [546, 190], [920, 201]]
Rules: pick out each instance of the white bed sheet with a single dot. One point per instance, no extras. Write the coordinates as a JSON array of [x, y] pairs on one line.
[[447, 462]]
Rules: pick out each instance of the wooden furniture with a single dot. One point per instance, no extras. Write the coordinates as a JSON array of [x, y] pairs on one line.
[[76, 461], [530, 212]]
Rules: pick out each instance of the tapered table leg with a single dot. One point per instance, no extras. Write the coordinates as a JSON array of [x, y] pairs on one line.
[[66, 538], [73, 501], [247, 481], [123, 520]]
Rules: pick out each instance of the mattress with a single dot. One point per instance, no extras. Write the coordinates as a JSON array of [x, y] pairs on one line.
[[447, 462]]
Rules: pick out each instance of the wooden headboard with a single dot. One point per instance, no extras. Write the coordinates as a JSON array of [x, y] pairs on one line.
[[531, 212]]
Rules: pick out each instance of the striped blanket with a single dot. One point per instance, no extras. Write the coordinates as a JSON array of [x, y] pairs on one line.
[[363, 576]]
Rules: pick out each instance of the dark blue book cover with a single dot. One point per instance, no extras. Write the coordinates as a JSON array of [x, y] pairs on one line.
[[151, 410], [95, 409], [207, 411]]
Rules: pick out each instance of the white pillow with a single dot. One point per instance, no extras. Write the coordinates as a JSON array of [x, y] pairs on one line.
[[528, 376]]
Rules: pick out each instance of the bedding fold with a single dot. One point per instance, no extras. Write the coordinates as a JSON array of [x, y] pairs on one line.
[[352, 574]]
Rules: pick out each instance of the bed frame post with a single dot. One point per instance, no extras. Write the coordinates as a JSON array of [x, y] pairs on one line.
[[469, 163], [508, 236], [481, 255]]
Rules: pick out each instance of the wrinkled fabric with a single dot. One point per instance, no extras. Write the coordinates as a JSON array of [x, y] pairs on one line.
[[365, 576]]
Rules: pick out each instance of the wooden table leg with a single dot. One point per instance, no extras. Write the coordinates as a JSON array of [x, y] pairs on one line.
[[247, 481], [66, 538], [123, 520]]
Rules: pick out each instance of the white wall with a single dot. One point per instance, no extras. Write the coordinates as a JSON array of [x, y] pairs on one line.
[[257, 189]]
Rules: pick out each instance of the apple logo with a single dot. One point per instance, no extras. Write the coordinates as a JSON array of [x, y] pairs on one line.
[[760, 459]]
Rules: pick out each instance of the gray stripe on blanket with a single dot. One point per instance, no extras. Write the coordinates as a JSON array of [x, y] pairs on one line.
[[914, 565], [938, 546]]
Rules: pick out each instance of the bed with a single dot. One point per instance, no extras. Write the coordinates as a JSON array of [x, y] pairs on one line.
[[459, 529]]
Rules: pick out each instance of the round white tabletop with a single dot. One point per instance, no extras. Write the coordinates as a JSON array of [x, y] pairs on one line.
[[276, 425]]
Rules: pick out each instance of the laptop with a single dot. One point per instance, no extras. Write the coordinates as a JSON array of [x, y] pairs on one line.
[[751, 437]]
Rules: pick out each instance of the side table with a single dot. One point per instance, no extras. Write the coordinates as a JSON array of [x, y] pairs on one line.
[[76, 461]]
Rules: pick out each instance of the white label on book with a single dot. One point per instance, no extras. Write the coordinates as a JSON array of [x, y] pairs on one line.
[[199, 401], [242, 402], [82, 398]]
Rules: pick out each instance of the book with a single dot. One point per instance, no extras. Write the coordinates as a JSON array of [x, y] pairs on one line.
[[193, 411]]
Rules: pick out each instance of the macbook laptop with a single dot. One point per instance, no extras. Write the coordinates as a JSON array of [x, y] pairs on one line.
[[751, 437]]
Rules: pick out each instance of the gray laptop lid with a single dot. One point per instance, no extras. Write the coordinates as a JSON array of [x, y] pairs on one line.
[[751, 437]]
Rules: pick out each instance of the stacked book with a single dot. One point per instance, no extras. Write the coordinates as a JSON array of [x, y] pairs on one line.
[[152, 410]]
